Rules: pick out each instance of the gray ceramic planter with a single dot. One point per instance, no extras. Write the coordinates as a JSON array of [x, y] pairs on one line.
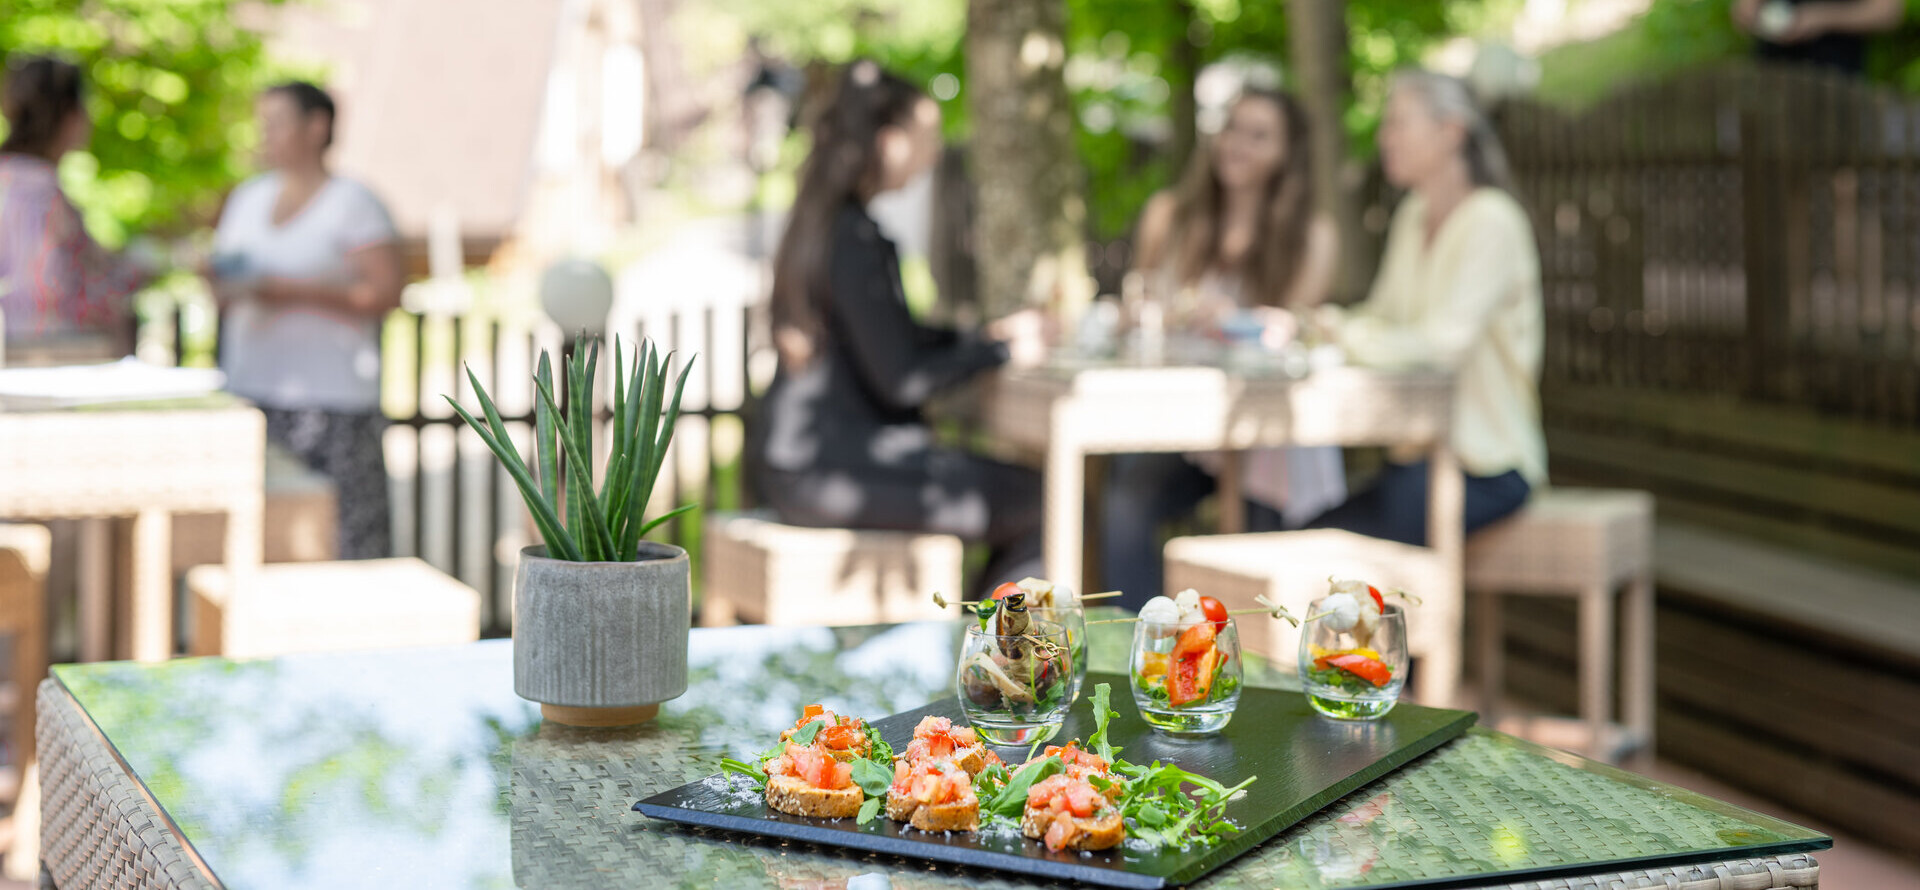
[[601, 643]]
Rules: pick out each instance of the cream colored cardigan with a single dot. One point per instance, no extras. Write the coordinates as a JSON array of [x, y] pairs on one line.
[[1469, 302]]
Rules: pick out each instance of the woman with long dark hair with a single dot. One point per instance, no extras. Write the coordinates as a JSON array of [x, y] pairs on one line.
[[1238, 234], [1458, 290], [840, 441], [56, 284]]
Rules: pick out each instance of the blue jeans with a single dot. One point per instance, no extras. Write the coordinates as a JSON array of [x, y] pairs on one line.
[[1395, 506], [1144, 491]]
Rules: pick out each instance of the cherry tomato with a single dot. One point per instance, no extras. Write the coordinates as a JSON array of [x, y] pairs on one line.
[[1215, 611], [1006, 590]]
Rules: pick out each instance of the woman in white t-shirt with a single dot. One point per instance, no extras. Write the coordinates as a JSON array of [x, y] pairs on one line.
[[306, 264]]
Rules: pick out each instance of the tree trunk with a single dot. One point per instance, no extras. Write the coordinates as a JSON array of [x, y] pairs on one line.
[[1182, 67], [1029, 228], [1318, 34]]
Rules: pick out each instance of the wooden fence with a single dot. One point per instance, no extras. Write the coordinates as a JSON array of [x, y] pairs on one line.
[[1731, 262]]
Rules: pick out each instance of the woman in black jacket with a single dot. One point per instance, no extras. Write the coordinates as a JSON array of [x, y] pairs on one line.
[[840, 441]]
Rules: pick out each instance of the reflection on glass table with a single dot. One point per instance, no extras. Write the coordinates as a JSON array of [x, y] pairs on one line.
[[420, 768]]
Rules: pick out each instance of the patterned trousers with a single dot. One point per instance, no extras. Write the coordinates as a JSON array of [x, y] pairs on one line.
[[346, 449]]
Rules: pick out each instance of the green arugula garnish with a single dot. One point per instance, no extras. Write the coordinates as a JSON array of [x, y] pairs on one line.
[[751, 771], [1011, 799], [878, 750], [804, 737], [873, 780], [1156, 801]]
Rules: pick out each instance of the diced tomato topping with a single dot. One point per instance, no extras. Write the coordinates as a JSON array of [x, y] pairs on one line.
[[964, 737], [842, 776], [1060, 834], [932, 726], [1369, 669], [840, 738], [809, 713], [1082, 799]]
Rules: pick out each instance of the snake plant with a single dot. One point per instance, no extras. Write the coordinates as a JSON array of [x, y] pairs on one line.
[[578, 524]]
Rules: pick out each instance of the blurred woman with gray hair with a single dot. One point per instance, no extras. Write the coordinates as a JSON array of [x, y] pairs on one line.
[[1458, 290]]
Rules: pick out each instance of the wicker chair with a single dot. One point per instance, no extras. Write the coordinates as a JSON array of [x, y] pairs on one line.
[[24, 557], [1292, 568], [758, 570], [328, 606], [1592, 544]]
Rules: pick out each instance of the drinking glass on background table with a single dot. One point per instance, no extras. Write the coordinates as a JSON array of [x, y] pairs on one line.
[[1353, 672], [1186, 681], [1015, 690], [1073, 620]]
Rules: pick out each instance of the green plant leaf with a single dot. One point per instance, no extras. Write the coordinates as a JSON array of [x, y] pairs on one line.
[[640, 487], [868, 811], [544, 431], [597, 542], [657, 520], [560, 545]]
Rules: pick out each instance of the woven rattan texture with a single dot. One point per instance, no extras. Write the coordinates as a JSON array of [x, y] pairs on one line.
[[98, 828]]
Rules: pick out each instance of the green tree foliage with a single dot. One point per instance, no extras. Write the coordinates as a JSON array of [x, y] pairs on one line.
[[170, 85], [1127, 60]]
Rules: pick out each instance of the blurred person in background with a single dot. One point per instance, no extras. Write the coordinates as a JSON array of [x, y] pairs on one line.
[[306, 264], [56, 284], [840, 441], [1237, 237], [1828, 33], [1458, 290]]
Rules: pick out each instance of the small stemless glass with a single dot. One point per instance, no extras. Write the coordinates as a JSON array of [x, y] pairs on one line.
[[1353, 674], [1015, 690], [1073, 620], [1186, 682]]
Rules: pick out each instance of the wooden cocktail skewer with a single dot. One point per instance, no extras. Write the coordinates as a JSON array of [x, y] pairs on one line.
[[1272, 609], [941, 600]]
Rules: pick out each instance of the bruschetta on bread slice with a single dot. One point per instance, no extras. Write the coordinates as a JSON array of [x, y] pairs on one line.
[[933, 795], [811, 782], [843, 737], [1068, 813], [936, 738]]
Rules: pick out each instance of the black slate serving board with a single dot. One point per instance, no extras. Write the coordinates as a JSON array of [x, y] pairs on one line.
[[1304, 762]]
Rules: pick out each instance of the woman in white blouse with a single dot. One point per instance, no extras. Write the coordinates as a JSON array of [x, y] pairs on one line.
[[1458, 289], [306, 264]]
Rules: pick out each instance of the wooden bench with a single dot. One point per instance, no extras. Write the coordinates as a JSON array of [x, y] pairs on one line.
[[1596, 546], [328, 606], [1795, 677], [758, 570]]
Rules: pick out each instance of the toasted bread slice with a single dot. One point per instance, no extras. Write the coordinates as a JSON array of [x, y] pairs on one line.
[[900, 807], [973, 759], [1101, 831], [795, 797], [960, 815]]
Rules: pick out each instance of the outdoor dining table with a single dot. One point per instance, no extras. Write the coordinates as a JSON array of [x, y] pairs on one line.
[[421, 768], [1069, 409], [145, 462]]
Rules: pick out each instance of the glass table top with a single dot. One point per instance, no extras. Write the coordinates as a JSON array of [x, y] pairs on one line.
[[420, 767]]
